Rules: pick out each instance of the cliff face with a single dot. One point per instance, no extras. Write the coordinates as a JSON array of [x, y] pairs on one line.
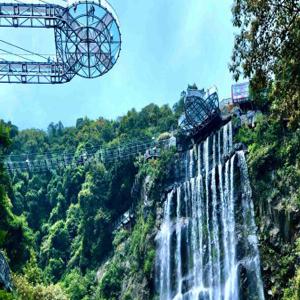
[[274, 165], [278, 219], [129, 272], [5, 277]]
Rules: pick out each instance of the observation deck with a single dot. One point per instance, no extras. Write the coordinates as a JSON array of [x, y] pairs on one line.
[[201, 111]]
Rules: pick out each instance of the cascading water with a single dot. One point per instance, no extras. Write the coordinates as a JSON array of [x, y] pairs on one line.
[[207, 244]]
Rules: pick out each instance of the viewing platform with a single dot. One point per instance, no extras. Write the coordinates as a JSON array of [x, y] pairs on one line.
[[201, 109]]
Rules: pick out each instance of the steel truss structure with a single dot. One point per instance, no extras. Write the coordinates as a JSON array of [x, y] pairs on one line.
[[87, 40], [200, 110]]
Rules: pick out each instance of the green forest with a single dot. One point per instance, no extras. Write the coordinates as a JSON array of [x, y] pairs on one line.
[[63, 218], [56, 227]]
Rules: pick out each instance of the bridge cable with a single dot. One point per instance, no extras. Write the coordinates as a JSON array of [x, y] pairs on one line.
[[31, 52], [109, 152], [28, 54], [97, 147], [107, 149], [91, 151], [109, 156], [17, 55]]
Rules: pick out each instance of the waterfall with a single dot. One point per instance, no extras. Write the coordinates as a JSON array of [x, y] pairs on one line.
[[166, 232], [207, 248]]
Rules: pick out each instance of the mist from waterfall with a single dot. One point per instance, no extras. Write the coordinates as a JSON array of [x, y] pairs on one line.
[[207, 243]]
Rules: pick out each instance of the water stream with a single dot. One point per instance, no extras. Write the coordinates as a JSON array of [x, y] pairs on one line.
[[207, 243]]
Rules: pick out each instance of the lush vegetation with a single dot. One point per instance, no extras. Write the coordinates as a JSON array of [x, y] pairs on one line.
[[15, 236], [129, 275], [57, 226], [274, 165], [267, 51]]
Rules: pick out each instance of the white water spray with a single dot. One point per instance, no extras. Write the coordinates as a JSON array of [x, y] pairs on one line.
[[207, 244]]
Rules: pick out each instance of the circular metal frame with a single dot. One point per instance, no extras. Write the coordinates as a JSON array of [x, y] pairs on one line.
[[92, 40]]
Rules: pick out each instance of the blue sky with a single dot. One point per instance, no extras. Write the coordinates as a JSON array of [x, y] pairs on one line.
[[166, 45]]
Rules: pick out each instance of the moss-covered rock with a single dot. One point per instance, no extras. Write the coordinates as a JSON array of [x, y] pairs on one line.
[[274, 167]]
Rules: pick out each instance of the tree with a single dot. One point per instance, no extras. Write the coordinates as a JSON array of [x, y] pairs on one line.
[[4, 137], [269, 30], [15, 236], [51, 130], [55, 251], [60, 128], [77, 286], [28, 291], [267, 48], [94, 226]]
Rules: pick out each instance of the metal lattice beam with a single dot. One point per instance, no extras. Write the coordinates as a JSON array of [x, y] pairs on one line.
[[87, 39], [30, 15]]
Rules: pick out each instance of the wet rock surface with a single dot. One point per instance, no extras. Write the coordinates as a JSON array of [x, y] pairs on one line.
[[5, 276]]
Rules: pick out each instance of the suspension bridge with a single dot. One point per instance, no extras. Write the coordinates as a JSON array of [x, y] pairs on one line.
[[86, 35], [35, 163]]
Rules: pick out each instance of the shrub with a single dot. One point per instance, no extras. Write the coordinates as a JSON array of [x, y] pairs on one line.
[[27, 291]]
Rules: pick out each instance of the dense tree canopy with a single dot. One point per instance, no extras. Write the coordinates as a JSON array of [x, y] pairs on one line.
[[15, 237], [267, 49], [69, 211]]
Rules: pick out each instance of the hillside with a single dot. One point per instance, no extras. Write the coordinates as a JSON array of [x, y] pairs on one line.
[[66, 216]]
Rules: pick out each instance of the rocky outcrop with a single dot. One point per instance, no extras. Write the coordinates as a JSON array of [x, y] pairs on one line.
[[5, 276], [128, 273], [275, 181]]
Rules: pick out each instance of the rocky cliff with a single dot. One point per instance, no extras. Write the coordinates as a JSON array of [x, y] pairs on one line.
[[5, 276]]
